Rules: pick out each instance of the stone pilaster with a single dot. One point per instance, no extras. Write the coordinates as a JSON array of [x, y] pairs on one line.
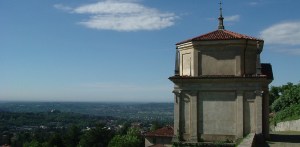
[[194, 116], [177, 103], [195, 63], [258, 102], [185, 115], [239, 113], [266, 113]]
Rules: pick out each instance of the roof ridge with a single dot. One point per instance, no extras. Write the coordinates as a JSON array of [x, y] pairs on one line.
[[208, 33], [233, 33], [238, 35], [220, 35]]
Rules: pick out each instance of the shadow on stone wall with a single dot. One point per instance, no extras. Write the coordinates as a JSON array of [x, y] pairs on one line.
[[279, 139], [284, 138]]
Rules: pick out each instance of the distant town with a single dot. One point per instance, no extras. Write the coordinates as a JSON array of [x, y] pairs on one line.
[[48, 124]]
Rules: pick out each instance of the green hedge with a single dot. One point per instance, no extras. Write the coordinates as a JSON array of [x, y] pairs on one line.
[[289, 113], [289, 97]]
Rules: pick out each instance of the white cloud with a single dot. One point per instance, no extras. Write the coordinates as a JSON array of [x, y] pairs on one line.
[[283, 37], [253, 3], [232, 18], [122, 16], [62, 7], [287, 33], [111, 7]]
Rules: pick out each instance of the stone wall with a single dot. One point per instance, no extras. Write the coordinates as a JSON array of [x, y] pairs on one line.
[[228, 57], [293, 125], [218, 113]]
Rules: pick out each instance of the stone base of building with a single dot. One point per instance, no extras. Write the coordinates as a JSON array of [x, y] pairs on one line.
[[213, 138], [221, 141], [202, 144]]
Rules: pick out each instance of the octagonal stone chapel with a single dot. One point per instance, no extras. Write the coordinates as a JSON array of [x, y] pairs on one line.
[[220, 87]]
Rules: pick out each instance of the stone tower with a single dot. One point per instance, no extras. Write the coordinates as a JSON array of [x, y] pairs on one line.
[[220, 87]]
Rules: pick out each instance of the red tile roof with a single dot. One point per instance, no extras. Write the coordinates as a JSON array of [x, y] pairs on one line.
[[162, 132], [220, 35]]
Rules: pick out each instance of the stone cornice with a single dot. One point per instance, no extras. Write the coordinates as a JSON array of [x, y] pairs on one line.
[[183, 79]]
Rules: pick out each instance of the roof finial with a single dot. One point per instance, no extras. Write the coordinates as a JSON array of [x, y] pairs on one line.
[[221, 24]]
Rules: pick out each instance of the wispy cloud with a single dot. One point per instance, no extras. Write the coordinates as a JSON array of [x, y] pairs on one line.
[[232, 18], [253, 3], [62, 7], [122, 16], [285, 35]]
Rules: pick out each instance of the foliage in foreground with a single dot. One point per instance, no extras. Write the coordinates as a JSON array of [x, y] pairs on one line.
[[290, 113], [131, 139], [289, 97], [98, 137], [72, 137], [286, 102]]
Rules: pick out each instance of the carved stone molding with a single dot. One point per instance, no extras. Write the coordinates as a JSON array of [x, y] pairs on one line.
[[259, 92], [187, 99], [177, 95], [191, 92], [177, 92]]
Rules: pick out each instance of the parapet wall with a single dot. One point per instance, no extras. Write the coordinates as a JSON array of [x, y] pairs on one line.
[[293, 125]]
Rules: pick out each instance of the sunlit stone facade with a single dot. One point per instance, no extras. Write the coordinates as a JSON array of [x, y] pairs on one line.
[[220, 87]]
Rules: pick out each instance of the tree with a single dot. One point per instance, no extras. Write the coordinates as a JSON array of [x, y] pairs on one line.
[[123, 130], [20, 138], [124, 141], [287, 102], [133, 132], [155, 125], [73, 136], [33, 143], [97, 137], [277, 91], [56, 141], [274, 94], [289, 95], [40, 135], [131, 139]]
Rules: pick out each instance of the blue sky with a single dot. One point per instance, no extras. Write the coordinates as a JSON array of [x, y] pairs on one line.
[[124, 50]]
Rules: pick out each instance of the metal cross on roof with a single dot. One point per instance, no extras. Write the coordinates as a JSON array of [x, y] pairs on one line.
[[220, 8], [221, 23]]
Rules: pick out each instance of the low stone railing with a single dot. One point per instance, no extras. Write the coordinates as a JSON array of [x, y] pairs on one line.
[[248, 141], [293, 125]]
